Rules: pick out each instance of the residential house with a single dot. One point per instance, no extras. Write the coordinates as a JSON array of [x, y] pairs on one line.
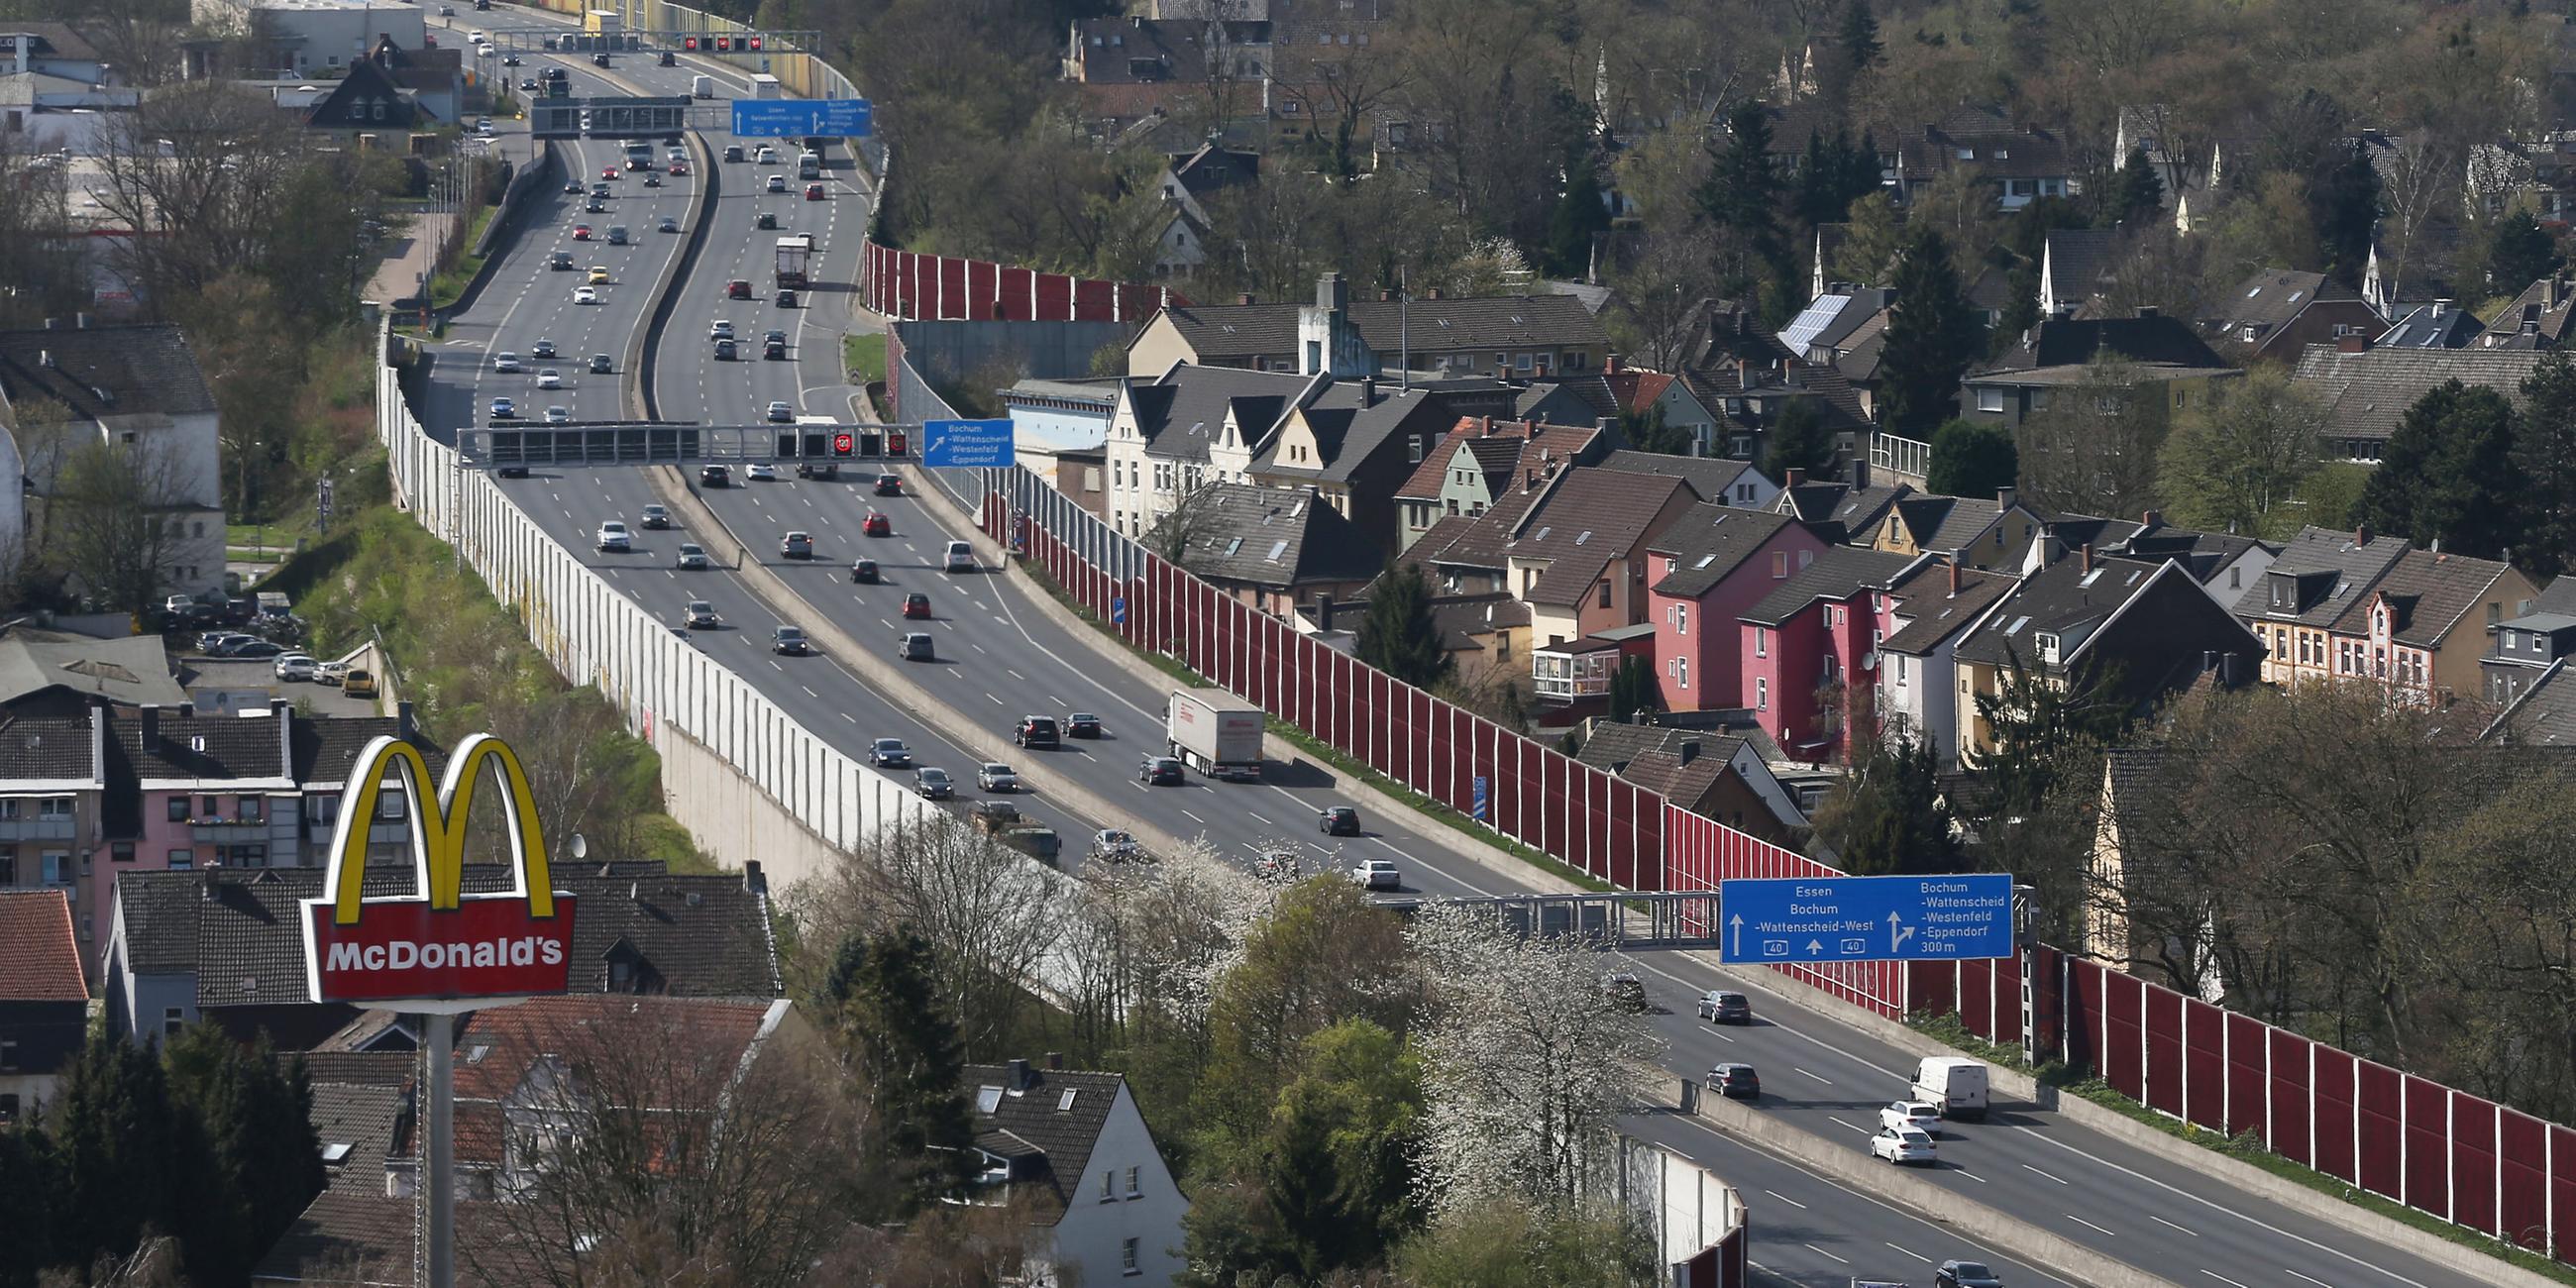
[[2275, 314], [51, 49], [2542, 712], [1714, 775], [1845, 511], [1822, 332], [1934, 606], [44, 1006], [365, 1114], [1744, 374], [2144, 626], [2529, 642], [53, 793], [1962, 530], [2438, 325], [432, 78], [2368, 389], [1809, 650], [2536, 319], [1578, 556], [364, 99], [1131, 69], [2023, 164], [1481, 462], [1188, 427], [130, 388], [1360, 442], [1485, 634], [1274, 547], [2351, 606], [2075, 265], [223, 945], [1529, 337], [2224, 563], [1627, 396], [2319, 578], [1076, 1146], [1725, 482], [2159, 357], [1193, 179], [1707, 568]]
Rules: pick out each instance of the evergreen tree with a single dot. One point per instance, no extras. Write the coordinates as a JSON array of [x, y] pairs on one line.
[[2041, 732], [1836, 174], [1633, 692], [1798, 441], [1857, 41], [1338, 1161], [2138, 192], [1887, 817], [1578, 217], [1970, 459], [1932, 336], [30, 1186], [120, 1152], [2343, 205], [2451, 474], [1741, 197], [2519, 254], [2547, 448], [246, 1126], [1398, 636], [907, 1062], [1650, 431]]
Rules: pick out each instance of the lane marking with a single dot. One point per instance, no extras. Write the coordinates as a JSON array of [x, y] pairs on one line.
[[2036, 1172], [2223, 1279], [1195, 818], [1822, 1253], [2320, 1283], [1909, 1252], [1971, 1175], [2184, 1228], [1817, 1076], [1853, 1125], [1786, 1199], [2088, 1225]]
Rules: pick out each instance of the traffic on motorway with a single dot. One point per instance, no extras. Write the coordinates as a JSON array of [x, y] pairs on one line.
[[880, 567]]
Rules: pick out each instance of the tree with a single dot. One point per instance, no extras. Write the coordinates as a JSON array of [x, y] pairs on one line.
[[2093, 449], [1659, 284], [1835, 175], [1971, 459], [1857, 40], [2138, 193], [1315, 960], [31, 1183], [1741, 199], [250, 1129], [2343, 207], [1578, 218], [2519, 253], [1872, 239], [2451, 474], [122, 1150], [904, 1060], [1932, 336], [1398, 635], [1651, 431], [1512, 1245], [2546, 447], [1633, 691], [2242, 452], [1798, 440], [118, 519]]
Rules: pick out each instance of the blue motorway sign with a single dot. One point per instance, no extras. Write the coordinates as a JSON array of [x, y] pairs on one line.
[[835, 118], [1865, 919], [962, 444]]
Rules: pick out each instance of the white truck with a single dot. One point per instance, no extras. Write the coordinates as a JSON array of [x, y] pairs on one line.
[[702, 87], [795, 254], [1956, 1085], [764, 85], [1215, 733]]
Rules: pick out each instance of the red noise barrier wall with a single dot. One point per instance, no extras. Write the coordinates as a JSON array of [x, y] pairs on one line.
[[942, 288]]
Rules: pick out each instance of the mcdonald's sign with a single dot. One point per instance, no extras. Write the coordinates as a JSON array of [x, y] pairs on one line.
[[437, 944]]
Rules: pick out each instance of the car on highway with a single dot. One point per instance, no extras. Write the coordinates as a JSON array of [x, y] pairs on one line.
[[1903, 1145], [1966, 1274], [614, 537], [1114, 845], [527, 84], [581, 232], [766, 219], [737, 289], [542, 349], [585, 295], [560, 261], [715, 476], [786, 299], [933, 783], [1625, 991], [817, 470], [1723, 1006], [656, 516], [652, 179], [1082, 724], [610, 172], [1036, 731], [960, 557], [599, 60], [692, 555], [796, 545], [1159, 771], [889, 753], [791, 641], [1376, 874], [877, 524], [1338, 820], [596, 205], [679, 167], [725, 351], [994, 776], [572, 187], [600, 190], [864, 573], [512, 471], [775, 183], [598, 274], [733, 152], [504, 409], [765, 154], [915, 646], [506, 362], [669, 224], [294, 666], [776, 351], [720, 329], [916, 607], [813, 192], [889, 485], [1912, 1113], [558, 415], [760, 472], [507, 60], [701, 616], [1736, 1081], [617, 234], [601, 365]]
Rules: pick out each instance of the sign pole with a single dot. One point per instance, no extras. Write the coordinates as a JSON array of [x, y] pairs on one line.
[[440, 1034]]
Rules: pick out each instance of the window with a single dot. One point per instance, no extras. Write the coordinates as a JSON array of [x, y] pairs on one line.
[[1761, 694], [8, 868], [1605, 592], [55, 807], [1314, 355], [8, 1056], [208, 808], [172, 1018], [1900, 668], [248, 809], [178, 809], [2495, 611], [1683, 664], [182, 860], [121, 851], [1127, 1257], [1108, 1184], [1134, 1190], [1761, 641], [1990, 398], [1681, 619], [1779, 564], [326, 809], [390, 806]]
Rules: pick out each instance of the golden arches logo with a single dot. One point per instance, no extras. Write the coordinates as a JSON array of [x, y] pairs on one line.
[[437, 824]]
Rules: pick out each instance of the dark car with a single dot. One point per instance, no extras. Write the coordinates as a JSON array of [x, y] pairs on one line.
[[715, 476], [774, 350], [1082, 724], [787, 299], [256, 649], [916, 606], [889, 485], [1159, 771], [1722, 1007], [1035, 731], [877, 524], [512, 471], [599, 60], [864, 572], [767, 219], [1966, 1274], [724, 351], [733, 152], [791, 641], [933, 783], [1736, 1081], [572, 187], [1625, 991], [668, 58], [1339, 820]]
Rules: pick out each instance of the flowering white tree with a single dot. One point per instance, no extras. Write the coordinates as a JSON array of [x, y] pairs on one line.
[[1529, 1063], [1162, 931]]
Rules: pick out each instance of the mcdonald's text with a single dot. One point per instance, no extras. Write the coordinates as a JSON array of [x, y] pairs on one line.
[[403, 949]]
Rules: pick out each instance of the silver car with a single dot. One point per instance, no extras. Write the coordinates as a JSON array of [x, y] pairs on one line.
[[994, 776], [692, 555]]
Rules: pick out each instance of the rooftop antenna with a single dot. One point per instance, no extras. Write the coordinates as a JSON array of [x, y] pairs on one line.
[[1404, 329]]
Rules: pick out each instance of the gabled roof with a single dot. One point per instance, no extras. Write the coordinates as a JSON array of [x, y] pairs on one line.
[[1831, 318], [356, 1124], [1351, 420], [1945, 523], [2428, 594], [2270, 298], [1709, 542], [2543, 715], [326, 750], [1933, 612], [56, 39], [1838, 573], [1712, 478], [1857, 511], [1182, 412], [2152, 339], [1228, 332], [2368, 393], [365, 97], [204, 748], [1479, 541], [1050, 1119], [106, 370], [2537, 318], [41, 962], [49, 749], [2064, 599], [2079, 259], [1653, 757], [2439, 325], [1274, 537], [496, 1049], [134, 671], [1586, 521], [1497, 448], [2334, 572]]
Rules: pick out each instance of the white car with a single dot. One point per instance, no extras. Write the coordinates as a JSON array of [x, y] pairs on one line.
[[1903, 1145], [1376, 874], [558, 415], [1113, 844], [777, 183], [759, 473], [549, 379], [293, 666], [505, 362], [994, 776], [779, 412], [961, 557], [1911, 1113], [720, 329], [331, 673], [585, 295], [765, 155], [692, 555], [613, 536]]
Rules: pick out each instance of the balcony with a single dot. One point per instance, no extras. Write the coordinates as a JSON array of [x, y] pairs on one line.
[[1564, 675], [62, 828], [227, 831], [1905, 456]]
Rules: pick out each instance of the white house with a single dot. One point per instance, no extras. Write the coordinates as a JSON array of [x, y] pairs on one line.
[[1077, 1145], [1934, 607], [1191, 426]]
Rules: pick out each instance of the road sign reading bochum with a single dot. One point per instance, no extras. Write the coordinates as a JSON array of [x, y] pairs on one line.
[[1865, 919]]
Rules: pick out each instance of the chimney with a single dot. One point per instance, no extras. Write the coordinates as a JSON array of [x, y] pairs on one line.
[[406, 724], [2361, 535], [2440, 307], [1331, 292], [1019, 1078], [1368, 391], [1610, 365], [1954, 578], [1385, 296], [1245, 298], [1055, 1060], [187, 710], [2150, 521], [2003, 498], [206, 882], [1795, 477], [1434, 294], [152, 728], [2088, 556], [753, 879], [2352, 344], [1323, 612], [80, 321], [2146, 310], [2553, 292], [1689, 750], [1859, 474]]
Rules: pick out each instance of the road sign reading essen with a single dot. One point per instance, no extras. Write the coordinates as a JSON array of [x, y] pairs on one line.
[[438, 945], [966, 444], [833, 118], [1865, 919]]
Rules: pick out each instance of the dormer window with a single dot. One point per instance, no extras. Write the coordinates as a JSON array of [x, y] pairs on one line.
[[2047, 644]]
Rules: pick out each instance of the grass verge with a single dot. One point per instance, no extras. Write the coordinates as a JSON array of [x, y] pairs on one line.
[[1317, 748], [864, 354], [446, 288], [2245, 1148]]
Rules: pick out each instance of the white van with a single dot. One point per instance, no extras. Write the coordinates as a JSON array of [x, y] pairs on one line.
[[1954, 1084], [702, 87], [961, 557]]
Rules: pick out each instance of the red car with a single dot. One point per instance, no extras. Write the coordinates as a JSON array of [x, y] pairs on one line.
[[917, 605], [889, 485], [737, 289], [878, 525], [581, 232], [679, 167], [813, 192], [609, 172]]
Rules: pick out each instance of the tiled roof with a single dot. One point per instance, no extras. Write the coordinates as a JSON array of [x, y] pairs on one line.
[[2559, 596], [496, 1048], [326, 749], [2078, 259], [352, 1240], [2368, 393], [1858, 360], [1276, 537], [1933, 612], [1184, 411], [1484, 540], [360, 1068], [2069, 342], [2429, 593], [2334, 570], [106, 370], [1858, 511], [1058, 1113], [2063, 599], [1224, 332], [132, 672], [2271, 298], [1119, 50], [1651, 757], [160, 912], [207, 748], [54, 38], [1347, 433], [2544, 715], [2431, 326], [2545, 308], [41, 962], [1945, 523], [1838, 573], [1709, 542], [1712, 478], [1592, 517], [357, 1121], [46, 747]]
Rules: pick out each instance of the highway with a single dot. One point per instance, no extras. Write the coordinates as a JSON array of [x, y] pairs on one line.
[[1000, 658]]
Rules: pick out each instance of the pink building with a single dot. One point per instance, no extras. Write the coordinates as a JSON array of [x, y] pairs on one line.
[[1808, 650], [1714, 563]]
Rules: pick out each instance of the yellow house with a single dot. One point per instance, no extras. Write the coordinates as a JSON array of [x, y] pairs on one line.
[[1972, 533]]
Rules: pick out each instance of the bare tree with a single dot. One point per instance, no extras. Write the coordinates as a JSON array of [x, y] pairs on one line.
[[2094, 449], [2421, 180], [1156, 936], [117, 520], [1665, 278], [36, 277], [199, 172]]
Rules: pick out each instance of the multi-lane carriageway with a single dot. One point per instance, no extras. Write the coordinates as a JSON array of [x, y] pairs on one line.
[[1002, 657]]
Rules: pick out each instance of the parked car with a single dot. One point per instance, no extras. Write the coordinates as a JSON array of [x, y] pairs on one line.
[[933, 783], [1035, 731], [791, 641], [331, 673], [889, 753], [1159, 771], [1625, 991], [1375, 874], [1720, 1006], [1912, 1113], [994, 776], [1735, 1081], [359, 683], [1082, 724], [1338, 820], [692, 555], [1903, 1145], [253, 650], [294, 666]]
